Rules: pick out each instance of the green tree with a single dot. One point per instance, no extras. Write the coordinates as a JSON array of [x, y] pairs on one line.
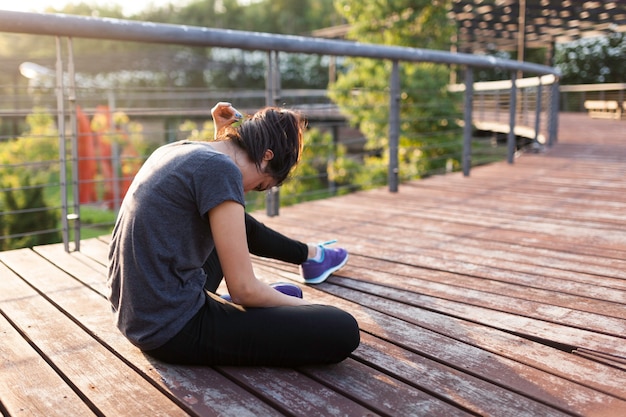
[[27, 219], [593, 60], [429, 136], [29, 169], [311, 174]]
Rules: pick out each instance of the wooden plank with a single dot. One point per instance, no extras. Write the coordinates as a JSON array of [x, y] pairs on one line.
[[475, 394], [270, 391], [499, 343], [255, 377], [294, 393], [595, 293], [437, 239], [528, 327], [96, 249], [574, 231], [200, 390], [29, 386], [522, 229], [382, 391], [81, 267], [612, 323], [534, 386], [266, 389], [448, 285], [567, 394], [503, 342], [77, 356], [614, 361]]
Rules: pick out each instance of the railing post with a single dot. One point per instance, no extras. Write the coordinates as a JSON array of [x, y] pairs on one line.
[[394, 126], [269, 79], [116, 162], [554, 114], [512, 108], [467, 127], [62, 145], [75, 216], [538, 109], [272, 196]]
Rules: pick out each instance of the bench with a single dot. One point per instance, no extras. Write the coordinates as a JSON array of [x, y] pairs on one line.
[[604, 109]]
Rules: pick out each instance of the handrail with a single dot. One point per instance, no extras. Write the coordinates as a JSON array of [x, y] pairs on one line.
[[137, 31], [506, 84]]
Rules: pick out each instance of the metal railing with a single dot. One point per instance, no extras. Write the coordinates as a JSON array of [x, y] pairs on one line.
[[497, 102], [65, 29]]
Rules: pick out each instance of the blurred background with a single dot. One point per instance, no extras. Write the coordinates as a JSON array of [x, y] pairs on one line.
[[131, 98]]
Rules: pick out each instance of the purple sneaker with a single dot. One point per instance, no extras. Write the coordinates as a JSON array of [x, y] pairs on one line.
[[288, 289], [316, 272], [284, 287]]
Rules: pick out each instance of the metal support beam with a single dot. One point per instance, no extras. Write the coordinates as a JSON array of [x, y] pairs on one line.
[[554, 114], [272, 196], [394, 126], [75, 215], [467, 127], [60, 96], [538, 102], [511, 145]]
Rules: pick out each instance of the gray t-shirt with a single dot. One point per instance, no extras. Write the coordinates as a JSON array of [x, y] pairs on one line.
[[162, 238]]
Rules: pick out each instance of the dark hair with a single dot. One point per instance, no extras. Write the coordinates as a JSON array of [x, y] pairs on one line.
[[277, 129]]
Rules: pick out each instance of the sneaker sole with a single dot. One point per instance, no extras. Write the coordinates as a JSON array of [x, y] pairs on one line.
[[325, 275]]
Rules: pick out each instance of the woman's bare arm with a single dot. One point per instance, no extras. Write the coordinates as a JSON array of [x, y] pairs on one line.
[[229, 233]]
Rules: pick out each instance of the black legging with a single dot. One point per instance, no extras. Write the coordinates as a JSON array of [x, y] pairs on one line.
[[222, 334]]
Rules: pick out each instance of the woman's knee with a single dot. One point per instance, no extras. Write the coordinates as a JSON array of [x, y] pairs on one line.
[[345, 332]]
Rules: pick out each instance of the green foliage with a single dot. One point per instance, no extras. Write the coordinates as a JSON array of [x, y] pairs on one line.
[[192, 132], [29, 178], [325, 169], [429, 134], [36, 151], [593, 60], [90, 9], [27, 219], [28, 166], [310, 175], [412, 23]]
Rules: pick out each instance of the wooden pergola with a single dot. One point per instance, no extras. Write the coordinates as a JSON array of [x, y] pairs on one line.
[[488, 25], [515, 25]]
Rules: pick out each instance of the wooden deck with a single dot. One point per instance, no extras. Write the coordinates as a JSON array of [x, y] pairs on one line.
[[500, 294]]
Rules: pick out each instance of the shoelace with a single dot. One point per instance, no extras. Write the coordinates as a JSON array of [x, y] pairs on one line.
[[322, 245]]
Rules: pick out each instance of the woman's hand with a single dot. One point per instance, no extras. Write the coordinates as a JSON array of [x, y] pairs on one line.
[[224, 114]]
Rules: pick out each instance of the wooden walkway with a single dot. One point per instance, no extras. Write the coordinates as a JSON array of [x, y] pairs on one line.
[[500, 294]]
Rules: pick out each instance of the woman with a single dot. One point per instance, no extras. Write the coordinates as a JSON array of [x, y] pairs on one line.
[[182, 225]]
